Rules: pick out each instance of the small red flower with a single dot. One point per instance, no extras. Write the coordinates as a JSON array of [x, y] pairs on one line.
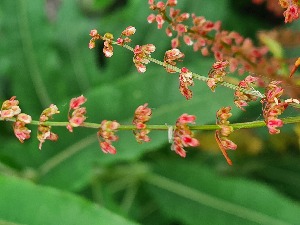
[[273, 107], [171, 56], [291, 13], [241, 98], [107, 147], [10, 108], [182, 135], [185, 80], [106, 135], [77, 117], [141, 116], [217, 74], [129, 31], [141, 54], [20, 129]]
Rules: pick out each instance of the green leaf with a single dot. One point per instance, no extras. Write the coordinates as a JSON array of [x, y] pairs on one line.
[[22, 202], [194, 195]]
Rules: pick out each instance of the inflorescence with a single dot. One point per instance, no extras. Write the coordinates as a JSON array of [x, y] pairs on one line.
[[232, 53]]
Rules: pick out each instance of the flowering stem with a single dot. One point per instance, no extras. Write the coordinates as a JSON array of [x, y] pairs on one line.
[[195, 75], [246, 125]]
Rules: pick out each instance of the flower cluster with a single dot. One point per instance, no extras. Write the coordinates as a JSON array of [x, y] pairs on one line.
[[186, 80], [124, 38], [182, 135], [44, 131], [292, 10], [141, 116], [108, 38], [77, 117], [106, 135], [221, 135], [20, 129], [241, 98], [10, 109], [217, 74], [171, 56], [273, 107], [95, 36], [206, 36], [161, 7], [141, 55]]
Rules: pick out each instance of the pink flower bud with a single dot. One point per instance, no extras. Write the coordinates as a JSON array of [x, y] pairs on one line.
[[107, 148], [185, 118], [24, 118], [92, 44], [187, 39], [75, 103], [93, 33], [129, 31], [151, 18], [160, 5]]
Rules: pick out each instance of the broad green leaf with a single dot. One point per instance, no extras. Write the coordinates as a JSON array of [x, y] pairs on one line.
[[192, 194], [22, 202]]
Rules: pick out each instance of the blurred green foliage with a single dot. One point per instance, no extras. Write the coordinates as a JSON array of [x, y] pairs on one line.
[[45, 59]]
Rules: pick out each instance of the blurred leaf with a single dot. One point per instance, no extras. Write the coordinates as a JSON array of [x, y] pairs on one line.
[[25, 203], [188, 192]]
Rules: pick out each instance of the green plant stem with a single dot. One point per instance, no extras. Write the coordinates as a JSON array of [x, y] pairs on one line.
[[164, 127]]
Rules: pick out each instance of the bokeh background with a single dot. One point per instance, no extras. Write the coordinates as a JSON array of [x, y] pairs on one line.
[[45, 59]]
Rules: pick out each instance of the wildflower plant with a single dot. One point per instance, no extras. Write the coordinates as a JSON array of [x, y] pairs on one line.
[[250, 71], [231, 51]]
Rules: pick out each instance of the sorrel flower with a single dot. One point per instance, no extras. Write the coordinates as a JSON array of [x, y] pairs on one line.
[[95, 36], [141, 55], [208, 37], [44, 131], [141, 116], [171, 56], [10, 108], [106, 135], [221, 135], [292, 10], [182, 135], [78, 113], [20, 129], [186, 80], [217, 74], [241, 98], [108, 49], [273, 106]]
